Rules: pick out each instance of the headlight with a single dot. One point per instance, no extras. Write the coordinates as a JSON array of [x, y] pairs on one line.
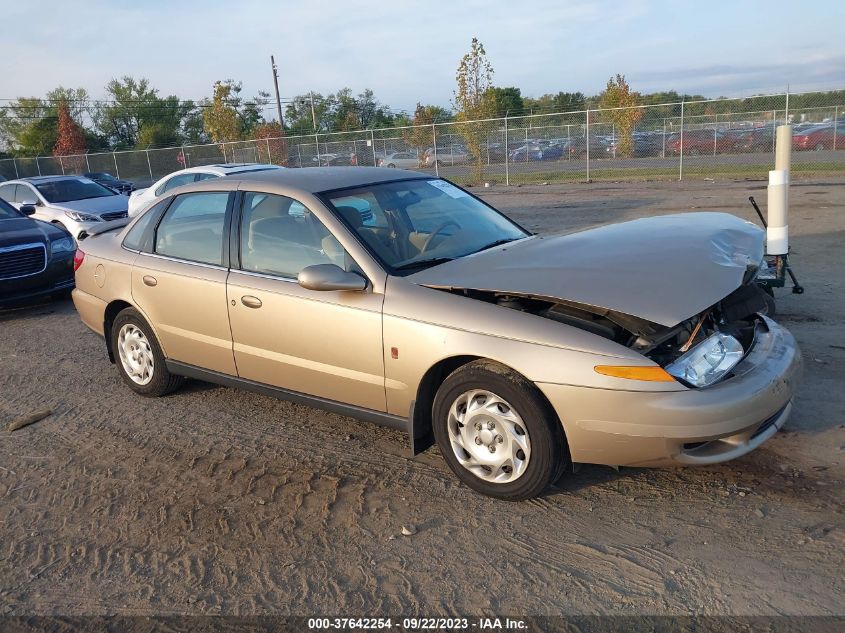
[[81, 217], [64, 245], [708, 361]]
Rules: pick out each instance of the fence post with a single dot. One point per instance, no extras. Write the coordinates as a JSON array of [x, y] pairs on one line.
[[373, 145], [681, 151], [149, 164], [317, 141], [714, 141], [299, 154], [62, 165], [663, 151], [786, 109], [269, 156], [434, 138], [587, 137], [87, 164], [15, 163], [507, 172], [116, 170], [835, 123], [38, 165], [774, 129]]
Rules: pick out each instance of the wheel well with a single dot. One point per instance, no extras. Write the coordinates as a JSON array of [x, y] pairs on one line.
[[112, 310], [421, 433]]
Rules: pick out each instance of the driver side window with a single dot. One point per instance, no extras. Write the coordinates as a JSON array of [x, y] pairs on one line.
[[280, 236]]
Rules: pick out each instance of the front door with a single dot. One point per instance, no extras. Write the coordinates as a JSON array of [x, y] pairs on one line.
[[321, 343], [181, 285]]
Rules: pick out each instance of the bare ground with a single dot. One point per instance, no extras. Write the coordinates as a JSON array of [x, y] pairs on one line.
[[220, 501]]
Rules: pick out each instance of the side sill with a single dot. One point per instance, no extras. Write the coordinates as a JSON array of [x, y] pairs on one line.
[[360, 413]]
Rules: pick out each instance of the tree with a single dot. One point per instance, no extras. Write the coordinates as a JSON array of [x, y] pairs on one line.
[[134, 114], [270, 142], [220, 118], [421, 135], [70, 139], [625, 113], [29, 125], [507, 101], [474, 102]]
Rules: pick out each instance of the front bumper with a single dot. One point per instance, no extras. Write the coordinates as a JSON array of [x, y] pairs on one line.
[[57, 277], [694, 426], [77, 228]]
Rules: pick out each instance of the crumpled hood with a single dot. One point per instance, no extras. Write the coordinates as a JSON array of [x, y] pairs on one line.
[[664, 269], [96, 206]]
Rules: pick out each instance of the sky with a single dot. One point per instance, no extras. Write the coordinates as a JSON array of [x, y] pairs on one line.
[[408, 51]]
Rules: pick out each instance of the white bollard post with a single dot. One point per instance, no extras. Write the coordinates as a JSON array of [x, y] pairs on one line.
[[777, 233]]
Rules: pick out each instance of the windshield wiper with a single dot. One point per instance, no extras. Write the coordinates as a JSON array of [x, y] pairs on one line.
[[424, 262], [497, 243]]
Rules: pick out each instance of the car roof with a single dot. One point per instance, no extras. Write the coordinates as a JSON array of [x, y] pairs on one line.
[[39, 179], [230, 168], [320, 179]]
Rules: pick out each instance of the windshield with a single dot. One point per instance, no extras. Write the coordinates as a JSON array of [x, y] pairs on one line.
[[7, 211], [412, 224], [72, 189]]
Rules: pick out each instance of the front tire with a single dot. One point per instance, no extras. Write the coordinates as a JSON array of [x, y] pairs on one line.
[[139, 358], [497, 433]]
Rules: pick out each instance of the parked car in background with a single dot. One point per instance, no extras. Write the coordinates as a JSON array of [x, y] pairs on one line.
[[447, 155], [141, 197], [702, 142], [107, 180], [643, 144], [599, 147], [75, 203], [36, 258], [403, 160], [758, 139], [639, 343], [817, 138], [546, 151]]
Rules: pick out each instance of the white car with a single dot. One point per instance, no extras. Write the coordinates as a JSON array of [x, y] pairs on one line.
[[140, 198], [403, 160], [74, 202]]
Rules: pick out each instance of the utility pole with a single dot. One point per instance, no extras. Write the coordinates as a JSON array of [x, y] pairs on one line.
[[276, 85], [313, 116]]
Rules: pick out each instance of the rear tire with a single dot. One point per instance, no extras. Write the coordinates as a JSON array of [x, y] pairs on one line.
[[138, 356], [497, 433]]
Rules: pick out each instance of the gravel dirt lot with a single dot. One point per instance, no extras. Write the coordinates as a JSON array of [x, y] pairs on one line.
[[213, 500]]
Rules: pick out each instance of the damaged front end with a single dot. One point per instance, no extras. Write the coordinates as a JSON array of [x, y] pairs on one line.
[[698, 351]]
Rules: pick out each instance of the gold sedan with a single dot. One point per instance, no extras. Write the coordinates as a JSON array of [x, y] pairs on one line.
[[402, 299]]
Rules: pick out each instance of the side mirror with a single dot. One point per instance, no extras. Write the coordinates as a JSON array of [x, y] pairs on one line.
[[27, 208], [330, 277]]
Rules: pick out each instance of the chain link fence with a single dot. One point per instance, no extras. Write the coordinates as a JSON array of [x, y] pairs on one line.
[[721, 138]]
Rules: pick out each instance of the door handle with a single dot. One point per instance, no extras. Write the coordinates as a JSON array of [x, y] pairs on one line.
[[150, 281], [251, 302]]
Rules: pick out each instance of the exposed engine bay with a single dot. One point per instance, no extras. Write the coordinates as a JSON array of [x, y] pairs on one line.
[[735, 316]]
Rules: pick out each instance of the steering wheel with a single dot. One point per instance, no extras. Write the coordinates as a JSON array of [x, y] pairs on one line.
[[435, 232]]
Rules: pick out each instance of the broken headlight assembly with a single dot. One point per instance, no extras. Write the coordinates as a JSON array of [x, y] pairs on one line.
[[707, 362]]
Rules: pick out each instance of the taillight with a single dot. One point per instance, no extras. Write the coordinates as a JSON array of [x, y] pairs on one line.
[[78, 258]]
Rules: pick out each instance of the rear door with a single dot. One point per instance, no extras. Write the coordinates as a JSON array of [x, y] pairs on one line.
[[321, 343], [181, 285]]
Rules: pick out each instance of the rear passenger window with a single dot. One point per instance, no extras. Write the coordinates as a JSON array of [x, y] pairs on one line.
[[135, 237], [192, 228], [280, 236]]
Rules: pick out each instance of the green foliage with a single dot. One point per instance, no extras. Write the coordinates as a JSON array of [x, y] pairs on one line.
[[507, 101], [220, 117], [474, 102], [29, 125], [624, 112]]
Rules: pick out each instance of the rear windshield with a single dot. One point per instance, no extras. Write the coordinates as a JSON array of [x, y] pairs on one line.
[[72, 189]]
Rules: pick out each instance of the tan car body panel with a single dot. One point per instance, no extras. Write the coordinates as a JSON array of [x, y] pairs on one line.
[[325, 344], [188, 306], [339, 346]]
